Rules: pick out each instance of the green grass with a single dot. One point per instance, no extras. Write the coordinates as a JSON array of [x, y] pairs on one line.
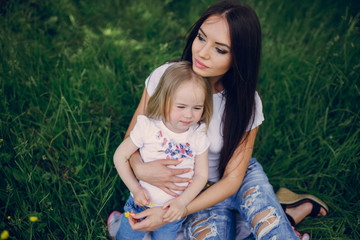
[[72, 73]]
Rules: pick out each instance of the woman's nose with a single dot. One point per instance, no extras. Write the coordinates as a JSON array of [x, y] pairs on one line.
[[204, 51]]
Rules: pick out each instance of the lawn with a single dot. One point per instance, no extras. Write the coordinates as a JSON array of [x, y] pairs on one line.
[[72, 73]]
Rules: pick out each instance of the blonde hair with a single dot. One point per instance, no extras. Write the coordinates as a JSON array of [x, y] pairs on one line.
[[160, 102]]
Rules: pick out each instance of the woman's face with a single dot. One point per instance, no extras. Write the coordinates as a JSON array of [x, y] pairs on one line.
[[211, 49]]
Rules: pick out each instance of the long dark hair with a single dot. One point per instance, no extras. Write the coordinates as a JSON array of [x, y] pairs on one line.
[[240, 81]]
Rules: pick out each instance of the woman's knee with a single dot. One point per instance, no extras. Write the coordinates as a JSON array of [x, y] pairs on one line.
[[265, 221], [202, 228]]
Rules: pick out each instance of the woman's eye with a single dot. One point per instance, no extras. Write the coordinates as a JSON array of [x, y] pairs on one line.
[[221, 51], [200, 37]]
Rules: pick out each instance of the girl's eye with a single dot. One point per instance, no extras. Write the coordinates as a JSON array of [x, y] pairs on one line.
[[221, 51], [198, 108], [180, 107]]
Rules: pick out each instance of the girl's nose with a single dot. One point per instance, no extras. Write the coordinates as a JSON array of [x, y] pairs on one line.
[[188, 113]]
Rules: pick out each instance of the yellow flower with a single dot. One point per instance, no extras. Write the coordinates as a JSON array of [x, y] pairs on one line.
[[151, 204], [4, 234], [127, 214], [9, 217], [33, 219]]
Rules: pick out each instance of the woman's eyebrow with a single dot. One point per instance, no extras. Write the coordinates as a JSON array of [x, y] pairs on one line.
[[222, 44]]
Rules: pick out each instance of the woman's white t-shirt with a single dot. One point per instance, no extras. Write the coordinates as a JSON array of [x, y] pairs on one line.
[[214, 132]]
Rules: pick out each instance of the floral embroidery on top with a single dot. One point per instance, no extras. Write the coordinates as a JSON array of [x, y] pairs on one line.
[[159, 135], [174, 150]]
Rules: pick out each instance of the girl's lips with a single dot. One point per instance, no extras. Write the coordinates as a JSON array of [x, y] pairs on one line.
[[186, 122], [199, 64]]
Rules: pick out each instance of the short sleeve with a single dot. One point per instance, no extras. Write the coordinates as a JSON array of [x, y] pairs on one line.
[[258, 115], [153, 80], [200, 139], [139, 130]]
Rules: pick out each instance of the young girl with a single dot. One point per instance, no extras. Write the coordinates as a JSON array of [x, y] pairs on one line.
[[177, 116]]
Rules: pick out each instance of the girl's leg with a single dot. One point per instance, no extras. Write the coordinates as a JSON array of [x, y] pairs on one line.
[[259, 206], [217, 222], [125, 231]]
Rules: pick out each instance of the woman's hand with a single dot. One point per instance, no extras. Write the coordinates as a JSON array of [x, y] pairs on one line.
[[158, 173], [153, 219]]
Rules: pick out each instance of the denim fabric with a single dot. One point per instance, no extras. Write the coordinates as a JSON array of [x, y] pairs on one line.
[[219, 219], [125, 232]]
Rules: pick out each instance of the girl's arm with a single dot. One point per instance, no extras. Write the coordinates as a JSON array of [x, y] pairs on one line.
[[177, 206], [156, 172], [231, 180], [121, 161]]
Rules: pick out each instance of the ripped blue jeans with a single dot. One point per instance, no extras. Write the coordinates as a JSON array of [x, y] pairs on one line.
[[257, 204]]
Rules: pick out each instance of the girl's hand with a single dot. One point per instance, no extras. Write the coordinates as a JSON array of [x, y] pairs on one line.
[[158, 174], [141, 197], [153, 219], [175, 210]]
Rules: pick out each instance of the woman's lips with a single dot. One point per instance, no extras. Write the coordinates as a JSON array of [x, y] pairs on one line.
[[200, 65]]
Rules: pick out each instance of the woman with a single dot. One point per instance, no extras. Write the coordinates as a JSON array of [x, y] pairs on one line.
[[223, 46]]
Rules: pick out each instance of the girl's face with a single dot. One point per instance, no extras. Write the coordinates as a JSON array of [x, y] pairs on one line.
[[187, 107], [211, 49]]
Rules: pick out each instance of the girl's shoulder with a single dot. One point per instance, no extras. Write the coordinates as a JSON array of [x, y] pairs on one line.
[[198, 130], [149, 123], [145, 127], [198, 138], [143, 122]]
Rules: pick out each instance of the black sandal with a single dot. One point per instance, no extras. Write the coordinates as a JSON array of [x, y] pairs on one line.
[[288, 198]]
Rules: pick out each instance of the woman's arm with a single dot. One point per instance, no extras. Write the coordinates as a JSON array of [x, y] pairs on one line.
[[231, 180], [156, 173], [224, 188], [140, 110]]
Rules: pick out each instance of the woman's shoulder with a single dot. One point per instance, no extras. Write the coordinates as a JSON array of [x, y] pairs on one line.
[[154, 78], [258, 102], [163, 67], [159, 71], [258, 116]]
